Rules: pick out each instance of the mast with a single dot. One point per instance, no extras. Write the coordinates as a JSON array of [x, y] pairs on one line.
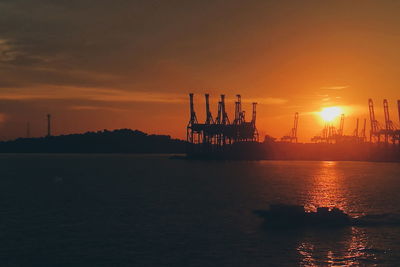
[[296, 121]]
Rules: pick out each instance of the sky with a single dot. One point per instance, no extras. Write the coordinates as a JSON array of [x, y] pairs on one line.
[[131, 64]]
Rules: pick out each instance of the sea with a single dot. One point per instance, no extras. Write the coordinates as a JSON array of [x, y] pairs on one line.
[[150, 210]]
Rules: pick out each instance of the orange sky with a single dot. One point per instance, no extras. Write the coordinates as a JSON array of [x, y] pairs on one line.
[[131, 64]]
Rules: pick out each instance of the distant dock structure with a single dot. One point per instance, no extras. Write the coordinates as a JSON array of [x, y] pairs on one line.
[[215, 134], [389, 132], [292, 137]]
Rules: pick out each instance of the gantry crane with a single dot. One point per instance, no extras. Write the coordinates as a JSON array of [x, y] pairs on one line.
[[388, 132], [374, 132], [292, 137], [219, 132]]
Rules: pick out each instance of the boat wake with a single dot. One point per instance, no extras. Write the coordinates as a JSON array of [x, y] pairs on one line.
[[384, 219], [294, 216]]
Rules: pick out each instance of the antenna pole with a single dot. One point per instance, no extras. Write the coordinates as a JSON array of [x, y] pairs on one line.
[[48, 125]]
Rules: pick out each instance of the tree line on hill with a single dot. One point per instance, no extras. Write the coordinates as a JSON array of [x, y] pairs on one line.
[[116, 141]]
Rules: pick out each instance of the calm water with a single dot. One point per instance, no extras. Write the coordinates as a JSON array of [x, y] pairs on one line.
[[127, 210]]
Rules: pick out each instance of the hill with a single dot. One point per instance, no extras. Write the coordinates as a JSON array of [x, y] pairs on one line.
[[116, 141]]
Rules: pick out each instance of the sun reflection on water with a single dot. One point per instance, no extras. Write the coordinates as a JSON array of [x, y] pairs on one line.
[[326, 188], [338, 247]]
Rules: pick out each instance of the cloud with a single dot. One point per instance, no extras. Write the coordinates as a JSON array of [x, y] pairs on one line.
[[121, 38], [271, 101], [260, 100], [337, 87], [94, 94], [124, 96], [7, 52], [86, 107], [112, 95]]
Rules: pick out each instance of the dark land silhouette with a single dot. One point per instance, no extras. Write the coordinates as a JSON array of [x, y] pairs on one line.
[[135, 141], [116, 141]]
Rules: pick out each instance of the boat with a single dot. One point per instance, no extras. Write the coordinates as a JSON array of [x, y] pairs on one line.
[[291, 216]]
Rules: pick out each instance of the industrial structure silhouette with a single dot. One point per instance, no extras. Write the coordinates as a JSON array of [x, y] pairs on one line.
[[385, 133], [219, 132], [213, 134]]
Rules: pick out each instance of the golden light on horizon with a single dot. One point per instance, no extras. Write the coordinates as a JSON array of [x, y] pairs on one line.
[[328, 114]]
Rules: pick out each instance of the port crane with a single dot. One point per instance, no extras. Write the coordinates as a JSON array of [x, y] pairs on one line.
[[292, 137], [375, 127], [220, 131]]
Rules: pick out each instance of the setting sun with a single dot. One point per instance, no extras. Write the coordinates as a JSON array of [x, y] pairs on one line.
[[330, 113]]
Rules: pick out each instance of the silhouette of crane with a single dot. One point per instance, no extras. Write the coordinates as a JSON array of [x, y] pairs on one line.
[[388, 132], [355, 133], [374, 132], [192, 130], [398, 107], [239, 114], [209, 118], [363, 136], [341, 125], [213, 134], [292, 137]]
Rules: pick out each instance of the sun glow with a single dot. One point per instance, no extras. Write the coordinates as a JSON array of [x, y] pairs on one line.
[[330, 113]]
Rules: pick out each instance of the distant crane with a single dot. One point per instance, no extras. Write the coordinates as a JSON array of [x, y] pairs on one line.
[[292, 137], [254, 115], [222, 117], [359, 136], [363, 135], [398, 107], [207, 135], [253, 121], [216, 133], [389, 126], [331, 134], [192, 121], [374, 123], [239, 114], [341, 125], [355, 134], [296, 121], [209, 118], [397, 132]]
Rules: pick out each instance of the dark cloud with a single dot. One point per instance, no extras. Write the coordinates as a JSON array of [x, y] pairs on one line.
[[136, 40]]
